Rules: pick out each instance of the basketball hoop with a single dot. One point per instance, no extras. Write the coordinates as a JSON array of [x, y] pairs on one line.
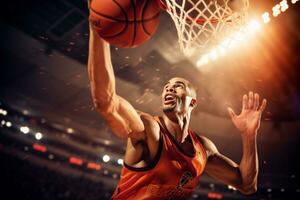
[[204, 23]]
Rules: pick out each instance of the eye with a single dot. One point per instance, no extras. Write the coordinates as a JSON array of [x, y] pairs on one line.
[[179, 86]]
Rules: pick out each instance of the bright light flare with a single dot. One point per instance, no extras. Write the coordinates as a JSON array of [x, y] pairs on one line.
[[106, 158], [213, 54], [231, 187], [38, 136], [294, 1], [120, 161], [266, 17], [221, 50], [254, 25], [8, 124], [276, 10], [24, 129], [284, 5], [3, 112], [203, 61], [70, 130]]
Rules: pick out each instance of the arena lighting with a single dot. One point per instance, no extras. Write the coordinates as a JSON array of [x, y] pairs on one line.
[[276, 10], [94, 166], [212, 195], [3, 122], [213, 54], [106, 158], [39, 147], [283, 5], [266, 17], [8, 124], [70, 130], [38, 136], [120, 161], [24, 129], [231, 187], [75, 161], [3, 112], [252, 26]]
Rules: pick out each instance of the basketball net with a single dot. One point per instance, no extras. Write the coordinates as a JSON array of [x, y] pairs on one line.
[[204, 23]]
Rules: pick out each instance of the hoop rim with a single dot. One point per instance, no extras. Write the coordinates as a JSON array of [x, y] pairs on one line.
[[200, 21]]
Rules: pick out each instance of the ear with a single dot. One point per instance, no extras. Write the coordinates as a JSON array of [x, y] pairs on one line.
[[193, 103]]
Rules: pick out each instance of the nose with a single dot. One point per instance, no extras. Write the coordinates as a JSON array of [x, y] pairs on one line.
[[170, 89]]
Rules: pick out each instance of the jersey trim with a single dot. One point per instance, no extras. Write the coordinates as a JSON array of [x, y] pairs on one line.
[[176, 143]]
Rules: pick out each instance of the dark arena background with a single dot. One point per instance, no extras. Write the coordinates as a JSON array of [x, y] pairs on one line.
[[53, 144]]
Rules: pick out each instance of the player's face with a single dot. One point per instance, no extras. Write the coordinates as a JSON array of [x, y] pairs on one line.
[[175, 96]]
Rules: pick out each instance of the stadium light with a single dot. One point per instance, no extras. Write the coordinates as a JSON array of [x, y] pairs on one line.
[[8, 124], [106, 158], [38, 136], [70, 130], [283, 5], [254, 25], [24, 129], [276, 10], [120, 161], [3, 112], [266, 17]]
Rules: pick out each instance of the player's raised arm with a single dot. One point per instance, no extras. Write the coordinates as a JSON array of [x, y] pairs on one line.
[[244, 175], [120, 114]]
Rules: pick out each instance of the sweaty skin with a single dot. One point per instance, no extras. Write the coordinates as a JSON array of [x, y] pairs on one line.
[[141, 130]]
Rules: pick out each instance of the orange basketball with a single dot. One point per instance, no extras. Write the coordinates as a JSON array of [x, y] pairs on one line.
[[125, 23]]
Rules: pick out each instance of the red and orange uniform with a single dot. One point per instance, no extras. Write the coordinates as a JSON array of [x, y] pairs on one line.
[[173, 174]]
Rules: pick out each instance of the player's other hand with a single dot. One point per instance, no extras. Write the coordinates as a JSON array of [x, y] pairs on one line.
[[248, 121]]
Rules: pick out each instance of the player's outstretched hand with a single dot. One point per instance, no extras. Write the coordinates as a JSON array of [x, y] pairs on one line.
[[248, 121]]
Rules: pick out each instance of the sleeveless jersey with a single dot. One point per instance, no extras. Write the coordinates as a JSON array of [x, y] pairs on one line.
[[172, 175]]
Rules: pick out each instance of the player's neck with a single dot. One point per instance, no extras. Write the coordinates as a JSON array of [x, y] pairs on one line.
[[177, 125]]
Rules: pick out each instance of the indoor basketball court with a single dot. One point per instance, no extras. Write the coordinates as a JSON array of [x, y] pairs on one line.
[[62, 61]]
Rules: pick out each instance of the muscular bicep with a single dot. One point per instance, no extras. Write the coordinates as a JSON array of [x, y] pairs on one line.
[[223, 169], [219, 166], [123, 119]]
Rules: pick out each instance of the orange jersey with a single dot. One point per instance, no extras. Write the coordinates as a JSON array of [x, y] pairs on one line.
[[172, 175]]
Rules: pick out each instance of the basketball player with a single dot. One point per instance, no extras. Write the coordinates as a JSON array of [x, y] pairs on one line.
[[164, 159]]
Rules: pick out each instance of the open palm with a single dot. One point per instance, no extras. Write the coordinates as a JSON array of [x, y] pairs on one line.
[[248, 121]]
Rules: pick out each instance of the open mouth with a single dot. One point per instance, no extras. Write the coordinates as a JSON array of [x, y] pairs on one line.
[[169, 99]]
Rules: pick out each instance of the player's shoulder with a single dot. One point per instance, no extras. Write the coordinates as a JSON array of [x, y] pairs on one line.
[[209, 146]]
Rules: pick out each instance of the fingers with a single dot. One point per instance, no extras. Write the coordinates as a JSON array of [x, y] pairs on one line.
[[250, 101], [256, 101], [245, 102], [231, 113], [263, 105]]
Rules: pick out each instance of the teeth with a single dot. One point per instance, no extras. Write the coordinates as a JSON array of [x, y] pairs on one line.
[[169, 97]]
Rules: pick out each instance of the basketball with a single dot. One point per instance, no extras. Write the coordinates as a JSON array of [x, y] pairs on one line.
[[125, 23]]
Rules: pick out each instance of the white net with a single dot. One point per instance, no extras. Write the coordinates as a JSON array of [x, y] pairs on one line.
[[204, 23]]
